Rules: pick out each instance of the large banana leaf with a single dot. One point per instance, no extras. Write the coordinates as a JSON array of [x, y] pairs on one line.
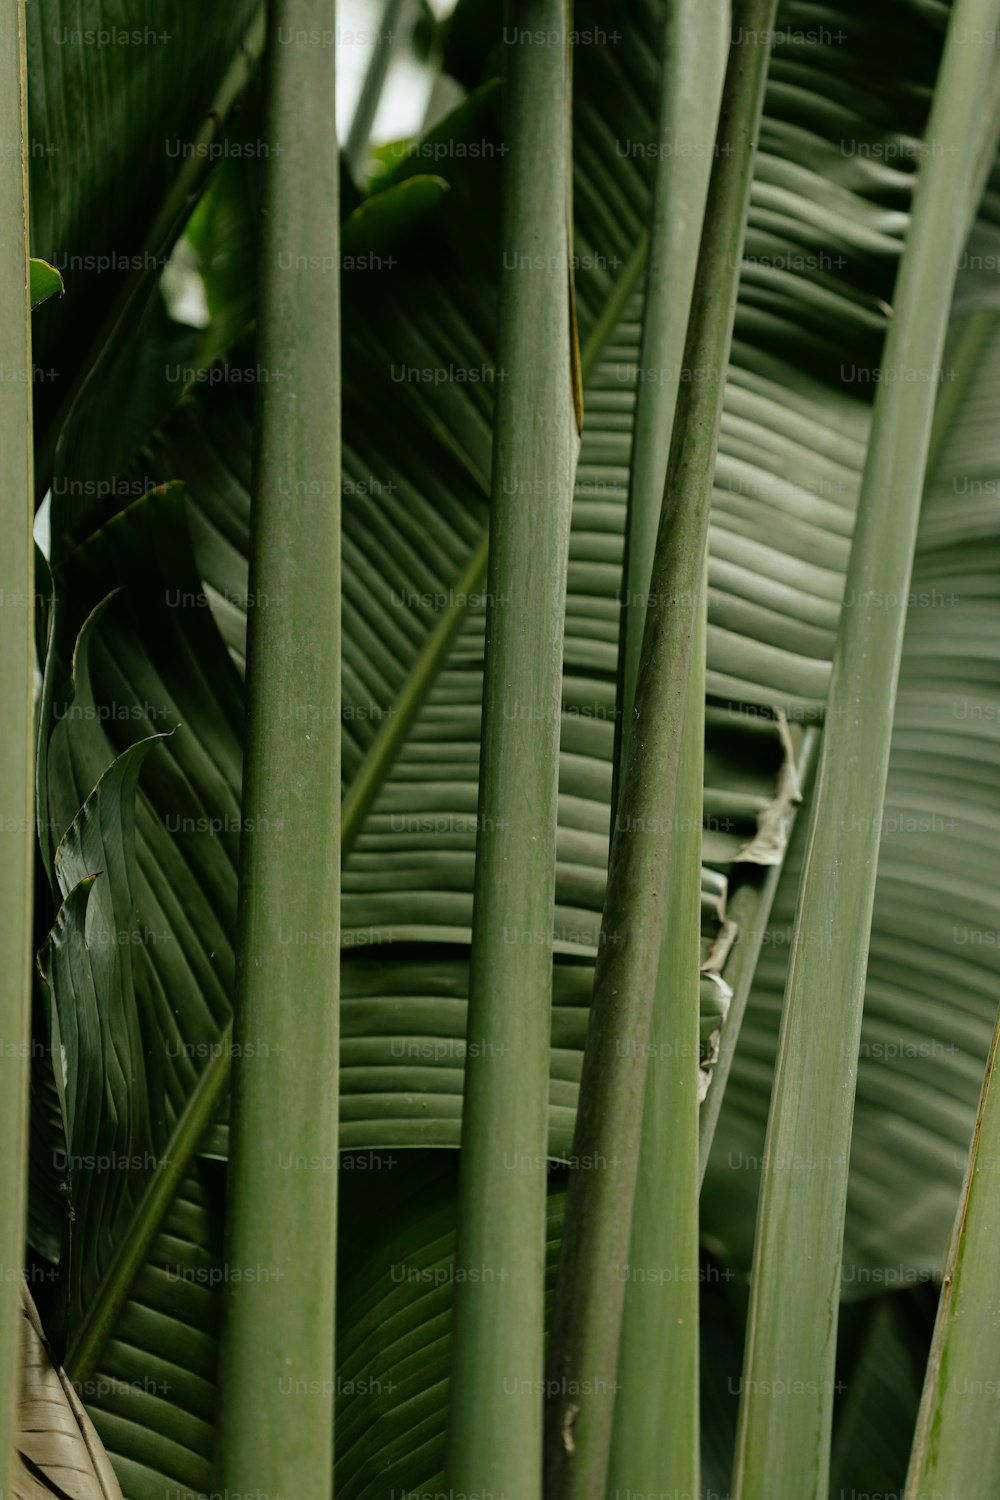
[[416, 460], [791, 451], [153, 1394], [934, 959], [143, 1252], [395, 1298]]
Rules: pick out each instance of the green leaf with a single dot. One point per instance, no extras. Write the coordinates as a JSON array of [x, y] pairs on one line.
[[46, 282], [114, 1127], [105, 203], [396, 1298], [875, 1416], [385, 217], [179, 973], [153, 1394], [400, 983], [787, 1394], [221, 235], [932, 970], [142, 378], [416, 460]]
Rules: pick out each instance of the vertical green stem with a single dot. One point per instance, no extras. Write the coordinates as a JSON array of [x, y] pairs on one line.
[[956, 1449], [656, 1443], [789, 1370], [278, 1346], [656, 1446], [696, 42], [16, 688], [495, 1426], [583, 1354]]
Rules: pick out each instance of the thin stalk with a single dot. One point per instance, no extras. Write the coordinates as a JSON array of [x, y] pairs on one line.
[[783, 1444], [656, 1444], [17, 659], [956, 1449], [988, 141], [278, 1338], [587, 1317], [696, 42], [495, 1424]]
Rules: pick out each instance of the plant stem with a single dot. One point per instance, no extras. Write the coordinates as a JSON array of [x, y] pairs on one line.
[[656, 1445], [583, 1353], [693, 69], [783, 1443], [495, 1425], [956, 1449], [17, 659], [278, 1341]]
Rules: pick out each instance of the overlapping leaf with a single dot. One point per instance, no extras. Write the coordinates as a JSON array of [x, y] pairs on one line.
[[120, 99], [835, 170], [934, 955], [415, 515]]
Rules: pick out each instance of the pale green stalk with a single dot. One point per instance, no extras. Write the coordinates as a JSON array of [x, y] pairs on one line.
[[16, 688], [495, 1420], [956, 1449], [583, 1354], [696, 43], [656, 1443], [789, 1372], [278, 1340]]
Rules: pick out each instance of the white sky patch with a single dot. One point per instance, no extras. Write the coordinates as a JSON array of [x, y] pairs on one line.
[[409, 82]]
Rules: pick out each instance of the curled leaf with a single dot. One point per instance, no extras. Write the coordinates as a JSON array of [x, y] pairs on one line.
[[58, 1450]]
